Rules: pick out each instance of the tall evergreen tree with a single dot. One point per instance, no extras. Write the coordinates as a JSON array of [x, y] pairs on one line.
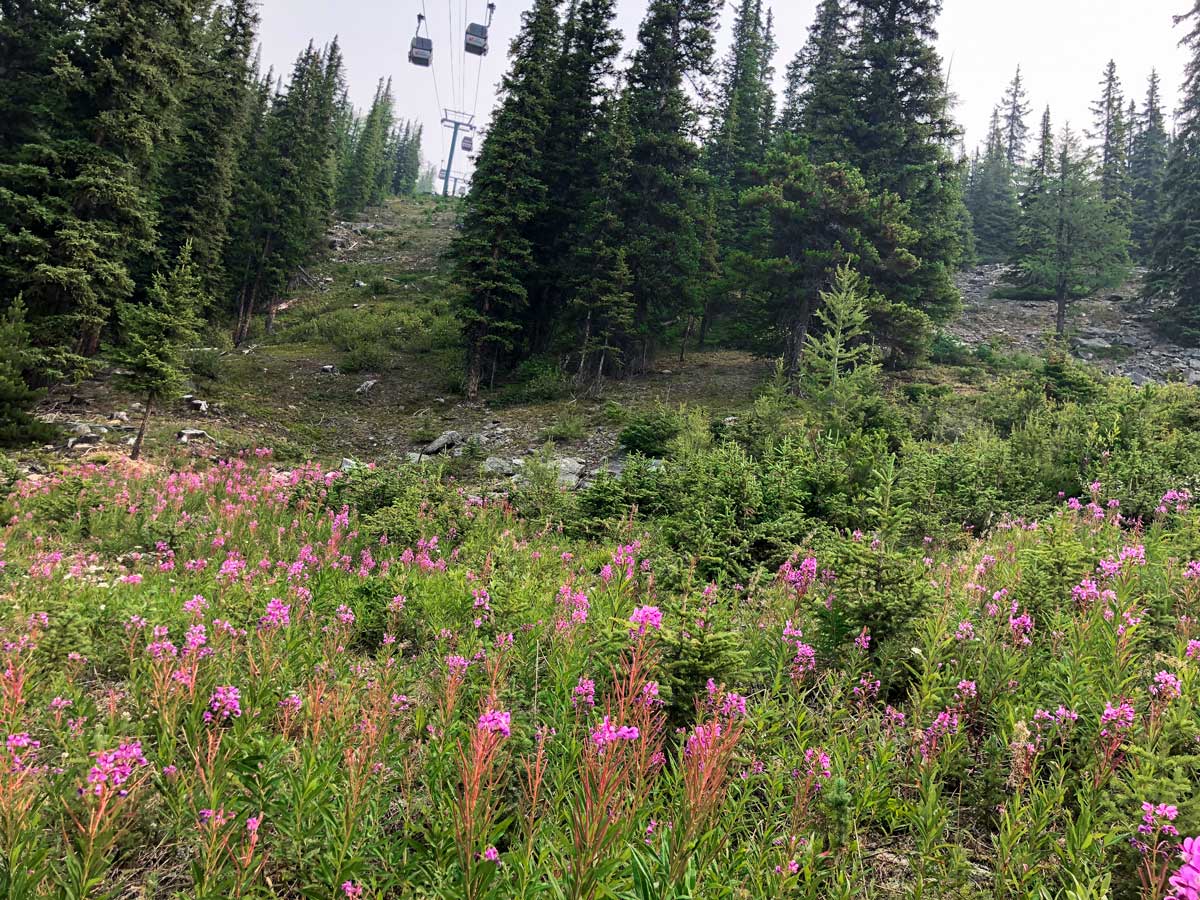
[[493, 251], [573, 159], [663, 203], [992, 196], [17, 360], [895, 127], [292, 183], [1111, 136], [818, 218], [155, 334], [367, 173], [1015, 110], [738, 139], [1073, 244], [200, 176], [1175, 270], [79, 165], [600, 306], [1147, 167], [407, 156], [818, 84]]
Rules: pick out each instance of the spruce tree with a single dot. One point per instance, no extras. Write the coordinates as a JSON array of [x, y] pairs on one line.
[[1014, 110], [367, 174], [664, 199], [574, 158], [291, 175], [17, 360], [493, 252], [1112, 142], [817, 219], [200, 175], [407, 160], [600, 307], [818, 83], [155, 335], [893, 124], [992, 198], [1147, 167], [738, 139], [1175, 269], [1072, 245], [79, 162]]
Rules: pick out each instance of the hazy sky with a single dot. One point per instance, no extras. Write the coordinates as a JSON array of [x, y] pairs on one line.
[[1061, 45]]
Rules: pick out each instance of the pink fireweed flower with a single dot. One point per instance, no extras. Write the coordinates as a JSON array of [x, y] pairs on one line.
[[224, 704], [804, 662], [645, 617], [351, 890], [1193, 649], [945, 725], [965, 632], [344, 615], [1157, 818], [1185, 883], [196, 606], [21, 749], [649, 695], [495, 721], [606, 733], [799, 577], [114, 768], [1021, 627], [278, 615], [584, 692], [1166, 686], [1192, 570], [492, 855], [1117, 719], [863, 641], [966, 691], [734, 706], [866, 690]]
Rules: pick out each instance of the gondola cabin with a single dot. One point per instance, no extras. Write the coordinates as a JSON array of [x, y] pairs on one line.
[[468, 144], [421, 51], [477, 39]]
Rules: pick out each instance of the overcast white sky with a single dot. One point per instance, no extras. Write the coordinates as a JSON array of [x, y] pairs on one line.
[[1061, 45]]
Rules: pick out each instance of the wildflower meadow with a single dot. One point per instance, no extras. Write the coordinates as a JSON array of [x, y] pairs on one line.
[[223, 680]]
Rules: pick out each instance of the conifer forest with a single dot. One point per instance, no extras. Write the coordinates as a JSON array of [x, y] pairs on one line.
[[729, 472]]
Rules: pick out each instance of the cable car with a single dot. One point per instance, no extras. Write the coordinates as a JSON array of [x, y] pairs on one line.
[[441, 174], [477, 35], [468, 144], [420, 53]]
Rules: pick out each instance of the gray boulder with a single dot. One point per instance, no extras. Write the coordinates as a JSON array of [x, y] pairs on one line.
[[446, 441]]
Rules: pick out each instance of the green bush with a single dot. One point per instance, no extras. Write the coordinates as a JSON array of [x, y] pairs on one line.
[[650, 434], [569, 426], [538, 380], [369, 356]]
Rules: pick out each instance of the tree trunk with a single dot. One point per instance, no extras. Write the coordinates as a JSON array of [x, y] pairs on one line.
[[136, 452], [474, 370], [1060, 319]]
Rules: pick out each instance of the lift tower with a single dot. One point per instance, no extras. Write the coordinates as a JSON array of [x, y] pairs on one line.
[[460, 122]]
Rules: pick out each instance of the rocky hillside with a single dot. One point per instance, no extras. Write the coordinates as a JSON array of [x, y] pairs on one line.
[[1113, 331]]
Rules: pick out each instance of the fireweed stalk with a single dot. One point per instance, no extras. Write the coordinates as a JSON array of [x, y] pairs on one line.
[[481, 765], [707, 754], [105, 807], [616, 766]]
